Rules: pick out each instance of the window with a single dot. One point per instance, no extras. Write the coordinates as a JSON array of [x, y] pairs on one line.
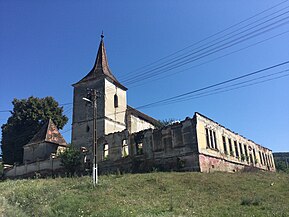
[[211, 139], [215, 140], [236, 149], [254, 154], [225, 145], [105, 152], [241, 152], [124, 151], [231, 147], [139, 149], [207, 138], [261, 159], [115, 101], [246, 152]]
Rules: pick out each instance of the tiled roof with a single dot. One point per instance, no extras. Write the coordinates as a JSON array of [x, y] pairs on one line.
[[48, 133], [133, 111], [101, 68]]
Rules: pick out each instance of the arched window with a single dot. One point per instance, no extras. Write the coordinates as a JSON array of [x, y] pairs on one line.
[[115, 101]]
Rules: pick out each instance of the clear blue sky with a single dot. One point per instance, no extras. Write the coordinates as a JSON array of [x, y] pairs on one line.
[[45, 46]]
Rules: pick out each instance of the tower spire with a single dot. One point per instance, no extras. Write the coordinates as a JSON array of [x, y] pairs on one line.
[[101, 67]]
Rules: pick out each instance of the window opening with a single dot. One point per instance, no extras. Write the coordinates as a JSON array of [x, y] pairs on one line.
[[124, 151], [105, 151], [115, 100], [225, 145]]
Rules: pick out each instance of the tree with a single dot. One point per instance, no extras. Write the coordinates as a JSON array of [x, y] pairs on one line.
[[26, 119], [71, 160], [167, 122]]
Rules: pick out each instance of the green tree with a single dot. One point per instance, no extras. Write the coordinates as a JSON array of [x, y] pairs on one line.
[[26, 119], [167, 122], [71, 160]]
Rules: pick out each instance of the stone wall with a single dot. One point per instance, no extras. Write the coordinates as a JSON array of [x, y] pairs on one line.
[[171, 148], [197, 144], [46, 167], [40, 151]]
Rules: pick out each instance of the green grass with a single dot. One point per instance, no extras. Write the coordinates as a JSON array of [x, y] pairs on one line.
[[153, 194]]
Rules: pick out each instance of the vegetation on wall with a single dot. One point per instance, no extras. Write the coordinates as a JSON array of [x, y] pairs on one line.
[[26, 119]]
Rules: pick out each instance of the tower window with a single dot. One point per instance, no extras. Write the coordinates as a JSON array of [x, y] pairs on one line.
[[105, 152], [115, 101]]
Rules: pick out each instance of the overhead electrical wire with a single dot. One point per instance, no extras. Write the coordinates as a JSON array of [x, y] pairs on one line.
[[152, 104], [230, 32], [211, 36], [219, 57], [204, 53], [217, 84]]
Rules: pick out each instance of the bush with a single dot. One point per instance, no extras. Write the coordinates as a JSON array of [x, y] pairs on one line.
[[71, 160]]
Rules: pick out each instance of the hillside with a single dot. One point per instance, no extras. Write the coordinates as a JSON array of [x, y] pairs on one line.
[[153, 194]]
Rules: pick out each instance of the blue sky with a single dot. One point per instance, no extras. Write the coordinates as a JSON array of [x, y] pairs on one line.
[[45, 46]]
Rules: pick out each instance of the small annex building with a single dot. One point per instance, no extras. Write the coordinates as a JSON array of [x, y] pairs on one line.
[[47, 141]]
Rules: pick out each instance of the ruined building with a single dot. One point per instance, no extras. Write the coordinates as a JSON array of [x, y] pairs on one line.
[[195, 144], [129, 140]]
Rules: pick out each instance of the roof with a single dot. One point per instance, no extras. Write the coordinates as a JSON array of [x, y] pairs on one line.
[[143, 116], [48, 133], [101, 68]]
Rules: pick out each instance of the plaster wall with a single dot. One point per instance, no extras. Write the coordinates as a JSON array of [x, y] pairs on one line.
[[136, 124], [234, 156], [115, 115]]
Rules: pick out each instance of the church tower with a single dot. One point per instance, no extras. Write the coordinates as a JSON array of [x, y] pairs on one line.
[[111, 102]]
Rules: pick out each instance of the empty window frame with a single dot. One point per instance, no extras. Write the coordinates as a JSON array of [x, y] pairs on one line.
[[241, 152], [231, 147], [124, 149], [236, 149], [254, 155], [246, 152], [139, 148], [215, 140], [261, 159], [105, 152], [211, 139], [225, 145]]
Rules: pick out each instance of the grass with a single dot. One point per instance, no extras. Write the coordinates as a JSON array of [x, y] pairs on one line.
[[153, 194]]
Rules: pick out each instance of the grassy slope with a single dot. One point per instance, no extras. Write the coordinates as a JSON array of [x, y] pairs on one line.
[[154, 194]]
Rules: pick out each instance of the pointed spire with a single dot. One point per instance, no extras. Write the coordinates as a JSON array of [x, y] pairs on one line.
[[48, 133], [101, 67]]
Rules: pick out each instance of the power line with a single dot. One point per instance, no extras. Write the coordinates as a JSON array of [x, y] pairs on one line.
[[194, 66], [211, 36], [204, 53], [217, 84]]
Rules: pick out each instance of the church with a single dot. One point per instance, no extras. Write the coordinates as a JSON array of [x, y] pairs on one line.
[[131, 141]]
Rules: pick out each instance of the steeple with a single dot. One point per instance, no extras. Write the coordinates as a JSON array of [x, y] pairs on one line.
[[101, 67]]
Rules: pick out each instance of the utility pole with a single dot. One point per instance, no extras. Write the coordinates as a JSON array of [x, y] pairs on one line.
[[92, 97], [94, 172]]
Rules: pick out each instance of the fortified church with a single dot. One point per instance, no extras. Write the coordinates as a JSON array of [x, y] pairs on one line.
[[131, 141]]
